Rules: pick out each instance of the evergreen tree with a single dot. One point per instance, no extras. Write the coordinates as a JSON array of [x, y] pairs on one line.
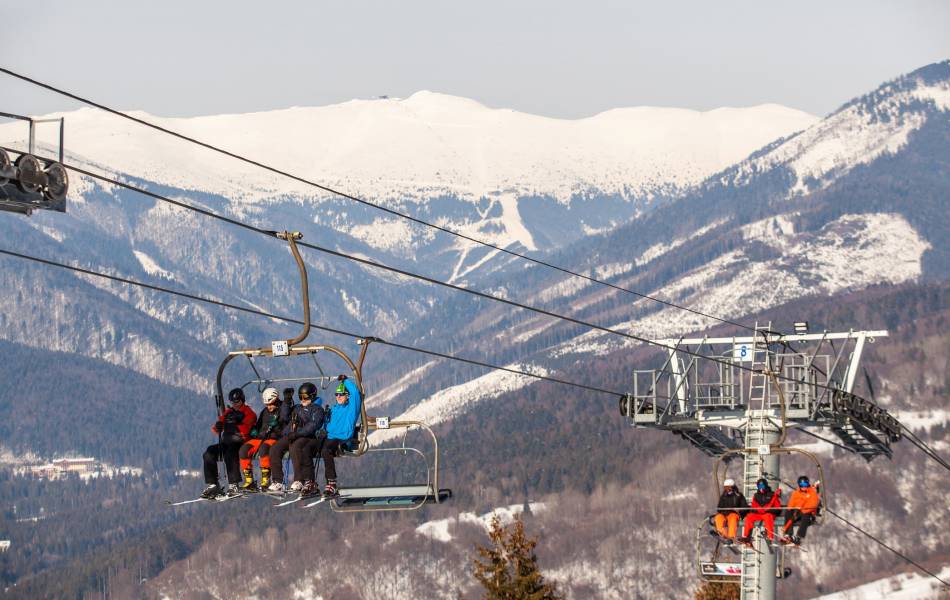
[[508, 569], [717, 590]]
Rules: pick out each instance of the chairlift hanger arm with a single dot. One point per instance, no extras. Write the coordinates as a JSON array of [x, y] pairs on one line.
[[292, 237]]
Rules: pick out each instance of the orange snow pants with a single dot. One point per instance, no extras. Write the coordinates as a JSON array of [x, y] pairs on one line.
[[732, 520], [768, 520], [250, 449]]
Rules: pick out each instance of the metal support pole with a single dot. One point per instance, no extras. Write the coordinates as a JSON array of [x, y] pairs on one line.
[[758, 568]]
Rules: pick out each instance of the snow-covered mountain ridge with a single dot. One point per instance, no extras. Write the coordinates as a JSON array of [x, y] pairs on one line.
[[426, 146], [859, 132]]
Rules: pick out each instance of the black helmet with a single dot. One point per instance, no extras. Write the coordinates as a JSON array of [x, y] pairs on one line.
[[307, 389], [803, 481], [762, 484], [235, 395]]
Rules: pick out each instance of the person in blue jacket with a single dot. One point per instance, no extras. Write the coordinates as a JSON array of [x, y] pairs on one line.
[[344, 414]]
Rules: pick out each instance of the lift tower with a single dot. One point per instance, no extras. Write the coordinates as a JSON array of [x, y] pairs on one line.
[[32, 182], [739, 396]]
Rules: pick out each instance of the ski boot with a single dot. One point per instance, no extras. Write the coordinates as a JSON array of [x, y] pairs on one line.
[[330, 489], [276, 488], [296, 486], [233, 490], [265, 478], [212, 491], [249, 485], [309, 489]]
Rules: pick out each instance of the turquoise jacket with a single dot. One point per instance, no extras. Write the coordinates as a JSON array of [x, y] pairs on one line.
[[343, 417]]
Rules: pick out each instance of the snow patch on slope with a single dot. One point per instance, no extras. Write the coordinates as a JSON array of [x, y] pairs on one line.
[[907, 586], [658, 250], [385, 234], [151, 267], [852, 252], [452, 401], [439, 530]]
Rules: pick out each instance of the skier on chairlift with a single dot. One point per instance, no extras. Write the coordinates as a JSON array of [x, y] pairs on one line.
[[727, 516], [302, 422], [801, 511], [765, 505], [233, 428], [341, 426], [264, 434]]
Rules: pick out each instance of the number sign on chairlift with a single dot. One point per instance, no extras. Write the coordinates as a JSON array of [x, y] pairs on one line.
[[742, 352]]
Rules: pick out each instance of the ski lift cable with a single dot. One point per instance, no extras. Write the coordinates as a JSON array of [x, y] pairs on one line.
[[262, 313], [824, 439], [923, 447], [428, 279], [877, 540], [884, 545], [365, 202]]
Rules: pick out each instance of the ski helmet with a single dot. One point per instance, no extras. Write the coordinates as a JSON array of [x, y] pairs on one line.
[[341, 390], [762, 484], [729, 483], [803, 481], [235, 395], [269, 396], [307, 389]]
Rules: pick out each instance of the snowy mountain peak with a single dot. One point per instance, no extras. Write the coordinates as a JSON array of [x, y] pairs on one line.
[[426, 146]]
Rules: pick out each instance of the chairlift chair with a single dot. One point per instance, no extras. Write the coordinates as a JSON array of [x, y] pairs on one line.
[[364, 498]]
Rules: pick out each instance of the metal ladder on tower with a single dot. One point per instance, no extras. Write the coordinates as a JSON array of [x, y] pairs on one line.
[[761, 362], [758, 404], [749, 582]]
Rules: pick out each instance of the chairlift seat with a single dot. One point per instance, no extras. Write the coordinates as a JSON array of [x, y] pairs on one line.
[[388, 497]]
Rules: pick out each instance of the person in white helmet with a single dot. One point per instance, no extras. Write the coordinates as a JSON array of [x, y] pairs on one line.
[[265, 432], [727, 517]]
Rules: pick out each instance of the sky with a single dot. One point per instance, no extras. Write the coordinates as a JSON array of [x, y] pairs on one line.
[[558, 59]]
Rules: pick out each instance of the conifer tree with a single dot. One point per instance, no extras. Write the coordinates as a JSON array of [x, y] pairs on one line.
[[508, 569], [717, 590]]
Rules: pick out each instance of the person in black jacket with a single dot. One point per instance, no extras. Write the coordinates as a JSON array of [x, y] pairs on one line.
[[727, 517], [302, 422], [264, 434]]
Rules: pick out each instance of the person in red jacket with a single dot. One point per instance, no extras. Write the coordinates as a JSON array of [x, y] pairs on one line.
[[802, 510], [233, 428], [765, 505]]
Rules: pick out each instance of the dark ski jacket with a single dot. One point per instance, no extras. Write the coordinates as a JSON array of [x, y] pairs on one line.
[[302, 421], [235, 424], [767, 501], [728, 502], [269, 426]]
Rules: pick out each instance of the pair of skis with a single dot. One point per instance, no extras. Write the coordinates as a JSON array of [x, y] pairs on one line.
[[221, 498], [315, 500]]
